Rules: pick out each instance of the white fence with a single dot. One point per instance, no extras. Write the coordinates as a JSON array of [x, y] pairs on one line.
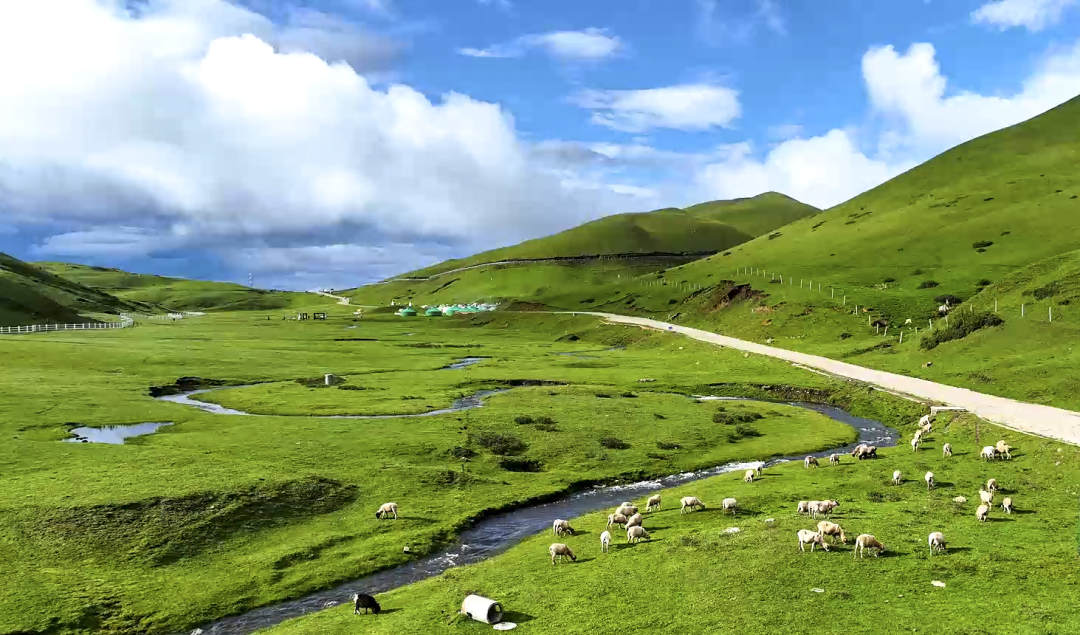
[[124, 322]]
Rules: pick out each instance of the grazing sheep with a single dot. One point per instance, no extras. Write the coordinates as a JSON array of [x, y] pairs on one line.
[[386, 509], [653, 503], [804, 507], [691, 503], [560, 551], [991, 485], [927, 429], [989, 453], [616, 519], [859, 448], [863, 451], [562, 527], [867, 541], [982, 512], [605, 541], [634, 521], [748, 477], [960, 499], [635, 534], [929, 478], [1006, 505], [834, 459], [946, 450], [825, 528], [1004, 449], [822, 507], [626, 509], [986, 497], [936, 540], [812, 538], [810, 460], [897, 477], [757, 469], [925, 420], [366, 602], [915, 444], [729, 503]]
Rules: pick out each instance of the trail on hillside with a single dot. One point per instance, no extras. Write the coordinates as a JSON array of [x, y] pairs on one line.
[[1047, 421]]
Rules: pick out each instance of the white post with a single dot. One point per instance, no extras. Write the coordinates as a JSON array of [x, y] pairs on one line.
[[931, 322], [886, 330], [868, 318], [1050, 312], [845, 299], [832, 292], [1021, 310], [901, 337], [995, 305]]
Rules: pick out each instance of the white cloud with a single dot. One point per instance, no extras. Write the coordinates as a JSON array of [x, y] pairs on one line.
[[115, 242], [505, 5], [716, 26], [589, 45], [785, 131], [1034, 15], [682, 107]]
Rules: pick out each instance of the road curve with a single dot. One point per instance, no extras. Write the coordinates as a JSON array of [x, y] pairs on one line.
[[1046, 421]]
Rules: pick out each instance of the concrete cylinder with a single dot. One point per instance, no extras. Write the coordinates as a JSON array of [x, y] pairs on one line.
[[482, 609]]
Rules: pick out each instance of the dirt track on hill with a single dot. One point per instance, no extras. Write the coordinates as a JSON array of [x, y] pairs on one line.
[[1046, 421]]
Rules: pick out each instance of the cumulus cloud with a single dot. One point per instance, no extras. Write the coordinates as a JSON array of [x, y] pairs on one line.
[[589, 45], [1033, 15], [115, 242], [682, 107]]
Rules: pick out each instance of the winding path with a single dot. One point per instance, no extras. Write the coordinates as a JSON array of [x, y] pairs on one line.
[[1046, 421]]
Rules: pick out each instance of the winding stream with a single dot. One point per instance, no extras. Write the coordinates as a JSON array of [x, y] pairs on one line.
[[496, 533]]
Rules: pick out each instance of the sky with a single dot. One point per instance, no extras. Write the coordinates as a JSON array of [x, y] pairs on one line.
[[331, 143]]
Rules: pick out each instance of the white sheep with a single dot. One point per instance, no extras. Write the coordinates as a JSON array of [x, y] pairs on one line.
[[946, 450], [914, 444], [634, 521], [834, 459], [929, 478], [989, 453], [635, 534], [822, 507], [757, 469], [986, 497], [560, 551], [748, 476], [627, 509], [804, 507], [812, 538], [386, 509], [1004, 449], [691, 503], [561, 527], [810, 460], [616, 519], [925, 420], [1006, 505], [897, 477], [863, 451], [826, 528], [991, 485], [982, 512], [653, 503], [605, 541], [729, 503], [936, 540], [867, 541]]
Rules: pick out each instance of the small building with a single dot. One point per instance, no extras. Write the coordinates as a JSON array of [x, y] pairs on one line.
[[407, 312], [319, 316]]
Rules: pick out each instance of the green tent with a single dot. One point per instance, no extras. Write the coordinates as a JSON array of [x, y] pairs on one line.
[[407, 312], [432, 312]]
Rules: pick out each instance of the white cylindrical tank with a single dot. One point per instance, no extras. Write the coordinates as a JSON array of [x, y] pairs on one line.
[[329, 379], [482, 609]]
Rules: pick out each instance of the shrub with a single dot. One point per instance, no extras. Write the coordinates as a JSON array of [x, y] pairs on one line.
[[746, 431], [668, 445], [348, 387], [1046, 291], [547, 424], [523, 420], [961, 324], [983, 283], [729, 418], [982, 244], [460, 452], [521, 465], [658, 415], [603, 395], [629, 395], [502, 444], [844, 336], [613, 443], [951, 299], [928, 284], [319, 382], [889, 279]]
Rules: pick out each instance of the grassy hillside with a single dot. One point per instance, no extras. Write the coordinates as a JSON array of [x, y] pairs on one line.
[[32, 295], [178, 294], [712, 226]]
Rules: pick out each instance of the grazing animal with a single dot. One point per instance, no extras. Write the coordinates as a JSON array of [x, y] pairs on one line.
[[757, 469], [691, 503], [982, 512], [810, 460], [929, 478], [605, 541], [635, 534], [729, 503], [1006, 505], [560, 551], [897, 477], [386, 509], [812, 538], [946, 450], [822, 507], [991, 485], [867, 541], [748, 477], [366, 602], [834, 459], [616, 519], [989, 453], [960, 499], [634, 521], [915, 443], [1004, 449], [907, 321], [863, 451], [804, 507], [925, 420], [936, 540], [653, 503], [562, 527], [986, 497], [825, 528], [626, 509]]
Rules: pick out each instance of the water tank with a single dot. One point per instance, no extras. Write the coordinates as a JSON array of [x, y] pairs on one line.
[[482, 609]]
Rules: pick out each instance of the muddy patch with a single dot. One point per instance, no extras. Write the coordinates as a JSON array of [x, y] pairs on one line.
[[184, 384]]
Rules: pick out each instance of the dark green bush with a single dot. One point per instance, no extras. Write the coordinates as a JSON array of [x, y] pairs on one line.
[[521, 465], [928, 284], [523, 420], [961, 324], [951, 299], [613, 443], [668, 445], [746, 431], [732, 418], [982, 244], [498, 443], [1044, 292], [459, 452]]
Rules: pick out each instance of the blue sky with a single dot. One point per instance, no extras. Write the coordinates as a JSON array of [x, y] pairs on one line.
[[328, 143]]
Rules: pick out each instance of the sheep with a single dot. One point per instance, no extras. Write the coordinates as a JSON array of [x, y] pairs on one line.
[[927, 429], [560, 551], [1006, 505], [897, 477], [561, 527], [867, 541], [822, 507], [834, 459], [729, 503], [386, 509], [825, 528], [366, 602], [748, 477], [925, 420], [691, 502], [804, 507], [863, 451], [626, 509], [986, 497], [946, 450], [991, 485], [634, 521], [915, 444], [1004, 449], [929, 478], [812, 538], [757, 469], [653, 503], [907, 321], [982, 512], [616, 519], [810, 460], [857, 449], [936, 540], [635, 534], [605, 541], [988, 453]]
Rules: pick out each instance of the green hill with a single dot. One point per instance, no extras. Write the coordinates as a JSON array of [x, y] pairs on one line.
[[32, 295], [179, 294]]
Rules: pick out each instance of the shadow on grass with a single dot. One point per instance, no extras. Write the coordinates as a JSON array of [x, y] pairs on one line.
[[386, 611], [517, 617], [1001, 519], [957, 549]]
